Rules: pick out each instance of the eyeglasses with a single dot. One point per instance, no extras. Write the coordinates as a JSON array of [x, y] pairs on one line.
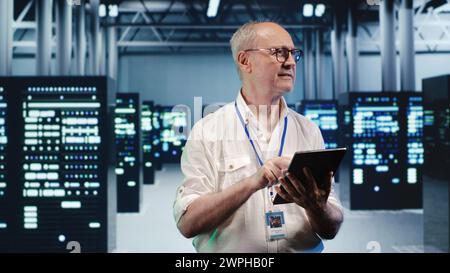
[[281, 53]]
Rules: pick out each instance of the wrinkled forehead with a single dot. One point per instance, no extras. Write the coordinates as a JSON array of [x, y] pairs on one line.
[[272, 35]]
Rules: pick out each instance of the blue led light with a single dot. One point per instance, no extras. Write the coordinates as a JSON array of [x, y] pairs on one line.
[[165, 146]]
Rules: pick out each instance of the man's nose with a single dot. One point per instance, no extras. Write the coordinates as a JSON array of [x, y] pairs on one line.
[[290, 62]]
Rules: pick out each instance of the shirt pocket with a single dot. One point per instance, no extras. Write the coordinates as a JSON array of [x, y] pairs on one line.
[[234, 169]]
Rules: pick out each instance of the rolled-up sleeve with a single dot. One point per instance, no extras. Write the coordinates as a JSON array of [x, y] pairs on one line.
[[199, 172]]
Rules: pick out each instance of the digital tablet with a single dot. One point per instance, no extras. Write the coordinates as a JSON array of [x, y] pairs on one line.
[[320, 162]]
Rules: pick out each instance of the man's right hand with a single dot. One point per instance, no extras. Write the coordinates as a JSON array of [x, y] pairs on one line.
[[269, 173]]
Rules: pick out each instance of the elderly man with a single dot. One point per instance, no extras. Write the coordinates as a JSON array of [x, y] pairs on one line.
[[236, 159]]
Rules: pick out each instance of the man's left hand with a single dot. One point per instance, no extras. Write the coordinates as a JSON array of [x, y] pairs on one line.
[[306, 193]]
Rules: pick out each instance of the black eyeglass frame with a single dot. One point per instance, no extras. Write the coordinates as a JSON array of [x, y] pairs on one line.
[[281, 52]]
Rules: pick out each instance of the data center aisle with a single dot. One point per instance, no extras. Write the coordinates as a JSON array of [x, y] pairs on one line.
[[154, 230], [379, 231]]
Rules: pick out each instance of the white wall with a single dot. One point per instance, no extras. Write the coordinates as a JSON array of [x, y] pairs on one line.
[[431, 65], [24, 67], [177, 79], [427, 65]]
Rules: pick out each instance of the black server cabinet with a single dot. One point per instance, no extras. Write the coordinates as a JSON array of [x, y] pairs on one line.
[[436, 185], [5, 193], [57, 175], [126, 131], [148, 132], [173, 134], [386, 150], [437, 130], [324, 113], [156, 122]]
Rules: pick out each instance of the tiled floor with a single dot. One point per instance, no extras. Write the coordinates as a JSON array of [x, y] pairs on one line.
[[154, 229]]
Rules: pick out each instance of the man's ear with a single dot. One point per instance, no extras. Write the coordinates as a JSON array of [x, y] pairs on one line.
[[244, 62]]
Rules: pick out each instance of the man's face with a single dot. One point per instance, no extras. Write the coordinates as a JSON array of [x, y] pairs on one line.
[[267, 71]]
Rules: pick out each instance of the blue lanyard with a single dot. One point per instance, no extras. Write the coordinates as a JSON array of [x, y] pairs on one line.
[[280, 152]]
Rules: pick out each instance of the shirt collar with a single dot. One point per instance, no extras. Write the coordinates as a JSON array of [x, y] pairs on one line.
[[248, 115]]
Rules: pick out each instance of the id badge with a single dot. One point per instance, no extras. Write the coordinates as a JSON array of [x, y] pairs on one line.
[[275, 225]]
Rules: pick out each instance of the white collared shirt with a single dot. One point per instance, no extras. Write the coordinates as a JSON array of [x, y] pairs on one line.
[[218, 154]]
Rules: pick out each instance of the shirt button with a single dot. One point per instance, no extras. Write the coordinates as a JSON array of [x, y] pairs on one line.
[[231, 166]]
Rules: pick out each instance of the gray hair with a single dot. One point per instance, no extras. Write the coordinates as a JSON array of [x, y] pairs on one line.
[[244, 38]]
